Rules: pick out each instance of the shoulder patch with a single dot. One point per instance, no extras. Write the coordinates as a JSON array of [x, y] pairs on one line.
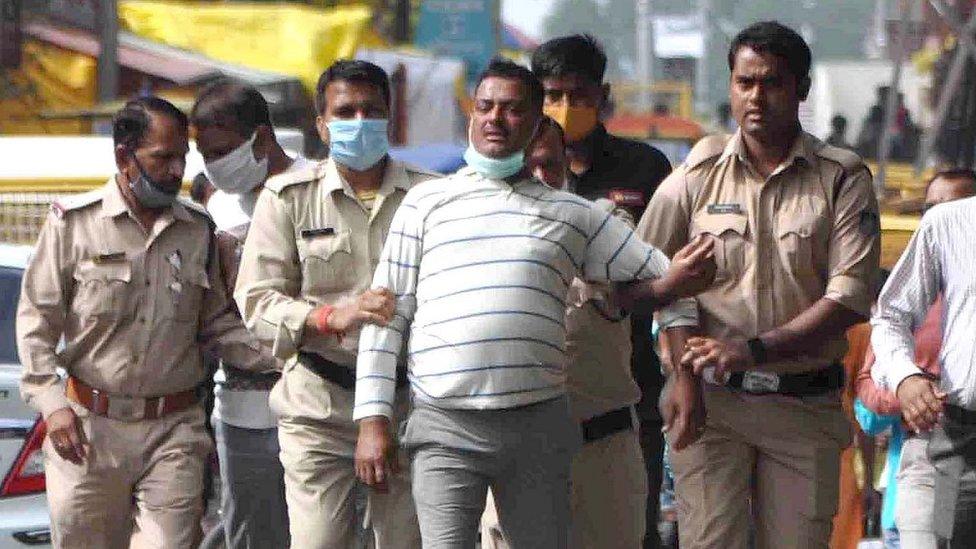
[[307, 174], [848, 160], [706, 148], [62, 206]]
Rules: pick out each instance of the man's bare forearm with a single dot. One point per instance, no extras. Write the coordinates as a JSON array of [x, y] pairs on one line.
[[643, 295], [824, 320], [672, 344]]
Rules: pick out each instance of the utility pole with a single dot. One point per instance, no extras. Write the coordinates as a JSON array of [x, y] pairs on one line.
[[108, 54], [892, 100], [401, 25], [645, 55], [702, 76]]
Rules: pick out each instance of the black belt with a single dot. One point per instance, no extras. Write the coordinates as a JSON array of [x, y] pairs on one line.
[[343, 376], [960, 414], [607, 424], [812, 383]]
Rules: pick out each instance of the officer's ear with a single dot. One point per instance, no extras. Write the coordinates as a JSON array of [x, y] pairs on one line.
[[263, 141], [322, 125], [803, 88], [123, 158]]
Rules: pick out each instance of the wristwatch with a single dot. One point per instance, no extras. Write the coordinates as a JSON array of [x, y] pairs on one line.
[[757, 349]]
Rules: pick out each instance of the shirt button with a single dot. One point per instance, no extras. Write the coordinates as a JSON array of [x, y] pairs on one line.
[[147, 282], [142, 320]]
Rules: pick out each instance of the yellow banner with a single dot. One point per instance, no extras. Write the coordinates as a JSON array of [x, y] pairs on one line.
[[49, 78], [300, 41]]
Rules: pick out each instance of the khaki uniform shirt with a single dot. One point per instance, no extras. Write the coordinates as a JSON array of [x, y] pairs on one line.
[[598, 349], [134, 306], [312, 242], [809, 231]]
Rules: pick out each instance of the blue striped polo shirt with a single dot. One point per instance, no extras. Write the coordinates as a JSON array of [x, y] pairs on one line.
[[481, 269]]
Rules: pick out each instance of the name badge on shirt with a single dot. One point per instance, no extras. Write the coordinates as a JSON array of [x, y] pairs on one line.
[[103, 259], [627, 197], [322, 231], [725, 209]]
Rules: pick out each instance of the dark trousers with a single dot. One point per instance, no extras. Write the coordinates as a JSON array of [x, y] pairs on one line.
[[952, 451]]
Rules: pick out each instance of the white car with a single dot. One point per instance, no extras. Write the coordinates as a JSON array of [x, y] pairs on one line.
[[24, 519]]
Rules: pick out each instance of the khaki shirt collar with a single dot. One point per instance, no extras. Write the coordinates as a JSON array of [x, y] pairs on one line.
[[394, 177], [114, 204], [803, 149]]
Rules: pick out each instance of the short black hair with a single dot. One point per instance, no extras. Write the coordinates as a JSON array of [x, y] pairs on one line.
[[199, 188], [503, 68], [352, 70], [231, 105], [576, 54], [777, 39], [957, 174], [131, 123]]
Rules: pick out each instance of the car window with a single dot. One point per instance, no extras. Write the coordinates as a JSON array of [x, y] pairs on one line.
[[9, 295]]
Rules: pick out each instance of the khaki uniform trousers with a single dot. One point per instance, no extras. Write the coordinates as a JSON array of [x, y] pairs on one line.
[[608, 497], [141, 485], [318, 442], [772, 459]]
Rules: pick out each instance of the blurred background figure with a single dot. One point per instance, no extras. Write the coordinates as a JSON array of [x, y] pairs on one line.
[[838, 132]]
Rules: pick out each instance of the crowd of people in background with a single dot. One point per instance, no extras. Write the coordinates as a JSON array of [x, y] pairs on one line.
[[409, 359]]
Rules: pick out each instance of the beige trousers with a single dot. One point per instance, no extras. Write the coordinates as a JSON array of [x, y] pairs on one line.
[[608, 497], [318, 441], [770, 460], [141, 485]]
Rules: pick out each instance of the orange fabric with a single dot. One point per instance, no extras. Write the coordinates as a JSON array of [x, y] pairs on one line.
[[849, 520]]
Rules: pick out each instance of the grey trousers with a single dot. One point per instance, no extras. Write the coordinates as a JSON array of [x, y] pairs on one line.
[[522, 454], [255, 515], [915, 504]]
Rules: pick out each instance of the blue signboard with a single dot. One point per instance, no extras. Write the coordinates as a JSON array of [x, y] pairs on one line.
[[459, 28]]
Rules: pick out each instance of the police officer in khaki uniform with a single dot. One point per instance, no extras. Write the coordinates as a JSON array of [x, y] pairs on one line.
[[128, 277], [795, 226], [304, 289]]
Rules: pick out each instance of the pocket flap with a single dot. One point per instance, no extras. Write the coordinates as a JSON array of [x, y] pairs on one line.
[[89, 270], [196, 276], [323, 247], [716, 224], [800, 224]]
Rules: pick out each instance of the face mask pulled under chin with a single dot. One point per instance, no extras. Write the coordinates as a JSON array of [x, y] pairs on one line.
[[238, 172], [494, 168], [150, 194]]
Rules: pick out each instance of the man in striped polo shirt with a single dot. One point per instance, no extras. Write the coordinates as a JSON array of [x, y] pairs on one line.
[[481, 263]]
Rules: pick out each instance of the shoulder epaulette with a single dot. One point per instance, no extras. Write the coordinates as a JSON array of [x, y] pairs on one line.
[[412, 168], [76, 202], [307, 174], [848, 160], [705, 149], [196, 209]]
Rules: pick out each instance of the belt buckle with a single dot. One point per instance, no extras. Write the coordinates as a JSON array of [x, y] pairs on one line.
[[126, 408], [760, 382]]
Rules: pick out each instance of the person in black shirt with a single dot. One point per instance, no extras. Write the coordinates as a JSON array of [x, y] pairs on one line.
[[627, 172]]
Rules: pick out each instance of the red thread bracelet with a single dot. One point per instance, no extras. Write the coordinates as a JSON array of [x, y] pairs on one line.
[[322, 315]]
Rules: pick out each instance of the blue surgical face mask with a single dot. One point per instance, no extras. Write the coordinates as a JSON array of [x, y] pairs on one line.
[[358, 144], [494, 168], [150, 193]]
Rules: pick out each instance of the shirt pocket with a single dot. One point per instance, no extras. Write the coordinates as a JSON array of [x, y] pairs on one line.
[[327, 262], [186, 290], [729, 233], [102, 289], [796, 232]]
